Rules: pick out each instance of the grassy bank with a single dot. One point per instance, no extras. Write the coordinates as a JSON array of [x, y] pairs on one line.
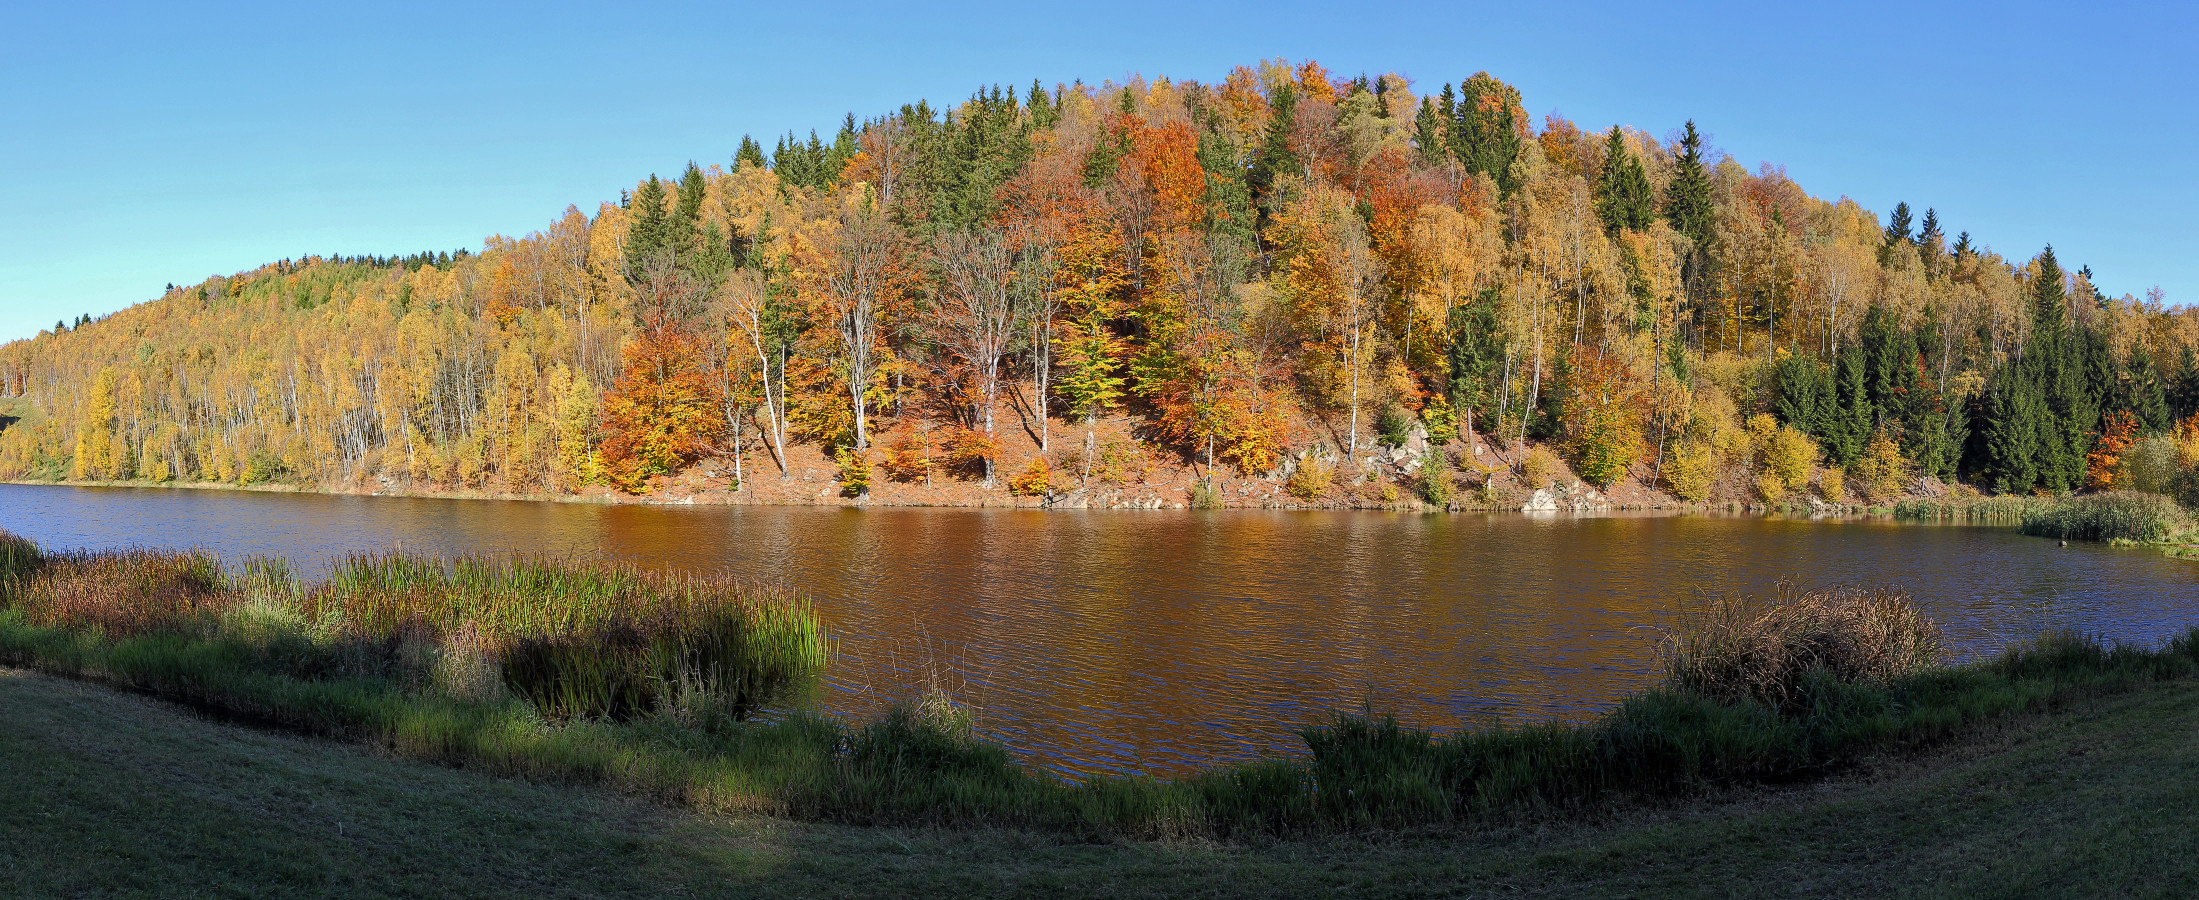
[[112, 795], [645, 683]]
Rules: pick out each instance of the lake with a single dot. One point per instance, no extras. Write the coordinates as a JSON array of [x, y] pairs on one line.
[[1107, 642]]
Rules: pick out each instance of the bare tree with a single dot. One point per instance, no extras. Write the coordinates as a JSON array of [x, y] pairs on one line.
[[857, 281], [746, 302], [974, 318]]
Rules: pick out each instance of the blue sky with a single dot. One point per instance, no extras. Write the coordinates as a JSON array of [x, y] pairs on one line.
[[142, 145]]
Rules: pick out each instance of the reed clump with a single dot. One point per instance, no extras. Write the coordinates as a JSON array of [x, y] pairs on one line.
[[1735, 648], [119, 594], [2111, 516], [1974, 510], [588, 639]]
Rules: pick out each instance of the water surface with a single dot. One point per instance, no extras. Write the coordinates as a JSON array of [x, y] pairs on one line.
[[1157, 641]]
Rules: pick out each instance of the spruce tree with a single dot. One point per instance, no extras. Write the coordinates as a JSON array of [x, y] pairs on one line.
[[1848, 419], [1477, 349], [1274, 157], [1429, 135], [1623, 196], [1485, 132], [2014, 416], [1041, 107], [1687, 199], [2141, 393], [751, 153], [646, 226], [683, 230], [2183, 390]]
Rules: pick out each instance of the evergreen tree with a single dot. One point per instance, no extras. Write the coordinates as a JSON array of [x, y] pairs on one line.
[[1803, 394], [647, 228], [2183, 391], [683, 229], [1897, 232], [984, 146], [751, 153], [1477, 350], [1428, 132], [2015, 417], [1623, 196], [1041, 107], [2141, 393], [1929, 242], [1688, 202], [1487, 128], [1274, 157], [1848, 420]]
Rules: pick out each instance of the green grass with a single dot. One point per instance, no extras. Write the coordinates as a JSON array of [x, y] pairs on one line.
[[431, 661], [113, 795], [2126, 516], [1973, 510]]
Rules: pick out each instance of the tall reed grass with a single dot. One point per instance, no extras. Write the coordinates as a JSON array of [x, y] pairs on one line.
[[2112, 516], [1975, 510]]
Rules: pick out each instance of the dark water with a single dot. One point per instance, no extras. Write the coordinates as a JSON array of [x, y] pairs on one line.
[[1160, 640]]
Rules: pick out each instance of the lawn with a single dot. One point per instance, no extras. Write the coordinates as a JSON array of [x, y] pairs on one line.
[[104, 793]]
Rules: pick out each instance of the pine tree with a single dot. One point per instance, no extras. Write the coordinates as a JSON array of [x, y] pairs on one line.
[[1897, 229], [1848, 420], [1428, 132], [683, 230], [1623, 196], [1274, 158], [2183, 391], [2015, 417]]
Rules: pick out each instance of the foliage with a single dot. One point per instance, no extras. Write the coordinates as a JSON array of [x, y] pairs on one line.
[[1767, 650], [1436, 486], [1222, 262], [2106, 458], [1833, 484], [1880, 471], [854, 466], [1311, 479], [1690, 470], [1036, 479], [1540, 468]]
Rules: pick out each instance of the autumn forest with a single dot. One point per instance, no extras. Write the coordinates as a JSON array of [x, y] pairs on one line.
[[1352, 289]]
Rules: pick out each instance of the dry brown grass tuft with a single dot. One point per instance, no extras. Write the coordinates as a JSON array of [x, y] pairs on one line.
[[1736, 648], [126, 592]]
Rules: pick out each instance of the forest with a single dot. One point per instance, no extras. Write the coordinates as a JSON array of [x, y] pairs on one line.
[[1283, 276]]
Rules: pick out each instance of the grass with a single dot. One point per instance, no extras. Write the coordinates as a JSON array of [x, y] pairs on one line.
[[2126, 516], [115, 795], [2114, 516], [643, 683]]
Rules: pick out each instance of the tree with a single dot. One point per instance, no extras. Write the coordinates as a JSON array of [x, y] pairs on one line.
[[853, 278], [1688, 205], [974, 316], [1624, 199], [1488, 129]]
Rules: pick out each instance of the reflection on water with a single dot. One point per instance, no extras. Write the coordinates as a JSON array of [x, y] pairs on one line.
[[1159, 640]]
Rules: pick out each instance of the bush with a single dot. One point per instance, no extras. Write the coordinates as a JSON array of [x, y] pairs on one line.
[[1204, 496], [1393, 426], [971, 450], [1540, 467], [854, 471], [908, 456], [1036, 479], [1436, 486], [1881, 469], [1770, 487], [1441, 419], [1791, 456], [1690, 470], [1312, 478], [1830, 483], [2149, 466], [1736, 649]]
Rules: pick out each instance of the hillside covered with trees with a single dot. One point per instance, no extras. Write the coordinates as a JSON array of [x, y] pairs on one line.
[[1266, 278]]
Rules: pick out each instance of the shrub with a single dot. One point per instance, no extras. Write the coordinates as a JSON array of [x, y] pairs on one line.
[[854, 471], [1036, 479], [1540, 467], [1441, 419], [2149, 466], [1393, 426], [1771, 487], [1690, 470], [1736, 649], [908, 455], [970, 450], [1791, 456], [1311, 479], [1830, 483], [1435, 485], [1204, 496], [1881, 469]]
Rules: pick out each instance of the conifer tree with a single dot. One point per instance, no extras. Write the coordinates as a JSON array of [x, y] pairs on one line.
[[1487, 128], [2141, 393], [683, 229], [1623, 196], [1688, 203], [647, 227], [751, 153]]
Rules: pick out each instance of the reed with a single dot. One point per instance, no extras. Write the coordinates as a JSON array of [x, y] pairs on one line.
[[1975, 510], [2111, 516]]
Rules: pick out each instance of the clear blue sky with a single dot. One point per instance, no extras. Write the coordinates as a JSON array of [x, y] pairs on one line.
[[141, 145]]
